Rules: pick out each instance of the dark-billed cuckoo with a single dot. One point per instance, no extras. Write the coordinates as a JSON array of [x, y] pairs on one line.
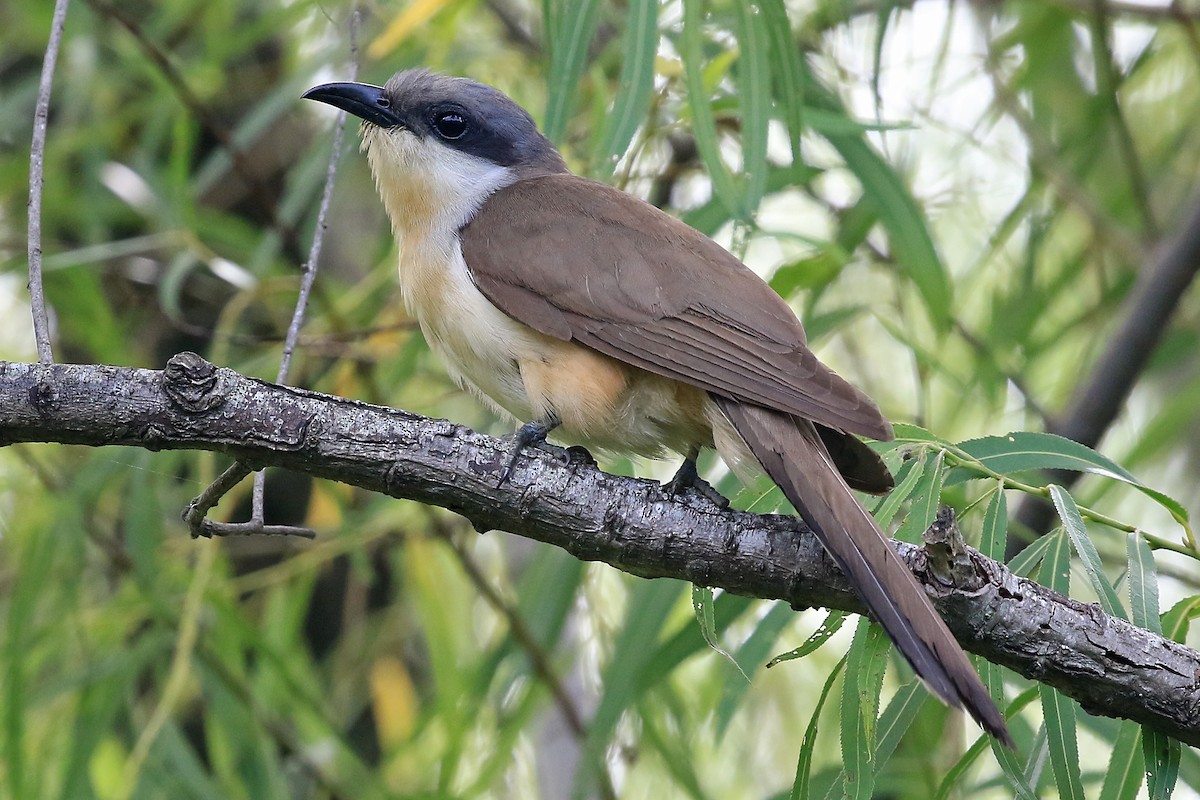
[[572, 305]]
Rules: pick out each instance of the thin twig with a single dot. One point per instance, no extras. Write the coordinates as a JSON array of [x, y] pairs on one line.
[[37, 164], [314, 255], [194, 514]]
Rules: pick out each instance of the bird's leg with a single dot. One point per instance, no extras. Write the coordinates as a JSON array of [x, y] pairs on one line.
[[688, 477], [531, 433]]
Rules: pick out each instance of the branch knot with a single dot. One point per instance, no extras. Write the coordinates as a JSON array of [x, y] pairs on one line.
[[193, 384]]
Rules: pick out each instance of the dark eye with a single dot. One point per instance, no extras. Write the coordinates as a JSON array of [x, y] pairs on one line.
[[450, 125]]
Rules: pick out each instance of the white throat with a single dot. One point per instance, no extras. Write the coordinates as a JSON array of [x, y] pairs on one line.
[[428, 188]]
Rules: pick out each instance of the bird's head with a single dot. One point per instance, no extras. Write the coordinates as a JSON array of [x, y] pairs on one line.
[[443, 142]]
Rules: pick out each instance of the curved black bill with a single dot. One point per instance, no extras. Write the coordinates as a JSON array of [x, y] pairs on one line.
[[360, 99]]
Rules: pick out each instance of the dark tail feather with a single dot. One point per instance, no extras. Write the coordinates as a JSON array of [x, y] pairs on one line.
[[792, 453]]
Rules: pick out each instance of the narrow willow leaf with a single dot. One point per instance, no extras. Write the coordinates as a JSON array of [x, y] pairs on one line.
[[927, 499], [1161, 755], [1035, 765], [703, 123], [754, 98], [1024, 562], [702, 606], [788, 75], [1175, 623], [860, 704], [570, 27], [820, 636], [801, 786], [1160, 752], [894, 722], [910, 475], [992, 675], [687, 641], [899, 213], [1068, 512], [634, 87], [748, 658], [907, 432], [897, 718], [1143, 584], [964, 763], [1022, 451], [1125, 764], [995, 525], [1059, 711]]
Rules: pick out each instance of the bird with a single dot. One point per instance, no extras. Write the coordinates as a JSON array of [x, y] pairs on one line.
[[583, 310]]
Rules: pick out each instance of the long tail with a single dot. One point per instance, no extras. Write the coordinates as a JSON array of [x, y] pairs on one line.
[[791, 452]]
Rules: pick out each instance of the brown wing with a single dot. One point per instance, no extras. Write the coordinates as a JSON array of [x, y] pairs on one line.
[[585, 262]]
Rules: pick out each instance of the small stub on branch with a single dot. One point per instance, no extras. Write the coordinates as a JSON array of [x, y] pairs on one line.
[[192, 383], [947, 556]]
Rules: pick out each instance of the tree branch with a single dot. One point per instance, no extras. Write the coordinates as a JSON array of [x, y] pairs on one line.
[[1111, 667]]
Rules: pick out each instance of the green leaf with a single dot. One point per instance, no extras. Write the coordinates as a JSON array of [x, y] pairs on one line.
[[927, 500], [1143, 584], [1023, 451], [754, 99], [910, 475], [570, 27], [703, 123], [788, 75], [1024, 562], [897, 718], [802, 785], [1125, 764], [702, 607], [907, 432], [688, 641], [860, 708], [960, 768], [1068, 512], [1175, 623], [1160, 752], [1014, 773], [820, 636], [995, 525], [1058, 710], [901, 216], [634, 87], [1161, 755]]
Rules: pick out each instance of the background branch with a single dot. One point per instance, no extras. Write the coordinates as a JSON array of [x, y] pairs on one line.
[[1111, 667], [37, 164]]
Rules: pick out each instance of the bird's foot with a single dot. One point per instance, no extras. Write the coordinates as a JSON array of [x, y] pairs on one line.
[[530, 434], [688, 477]]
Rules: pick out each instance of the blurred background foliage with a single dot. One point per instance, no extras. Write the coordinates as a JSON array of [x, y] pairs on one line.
[[958, 197]]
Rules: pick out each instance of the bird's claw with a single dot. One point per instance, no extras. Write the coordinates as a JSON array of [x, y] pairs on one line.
[[531, 433], [687, 477]]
